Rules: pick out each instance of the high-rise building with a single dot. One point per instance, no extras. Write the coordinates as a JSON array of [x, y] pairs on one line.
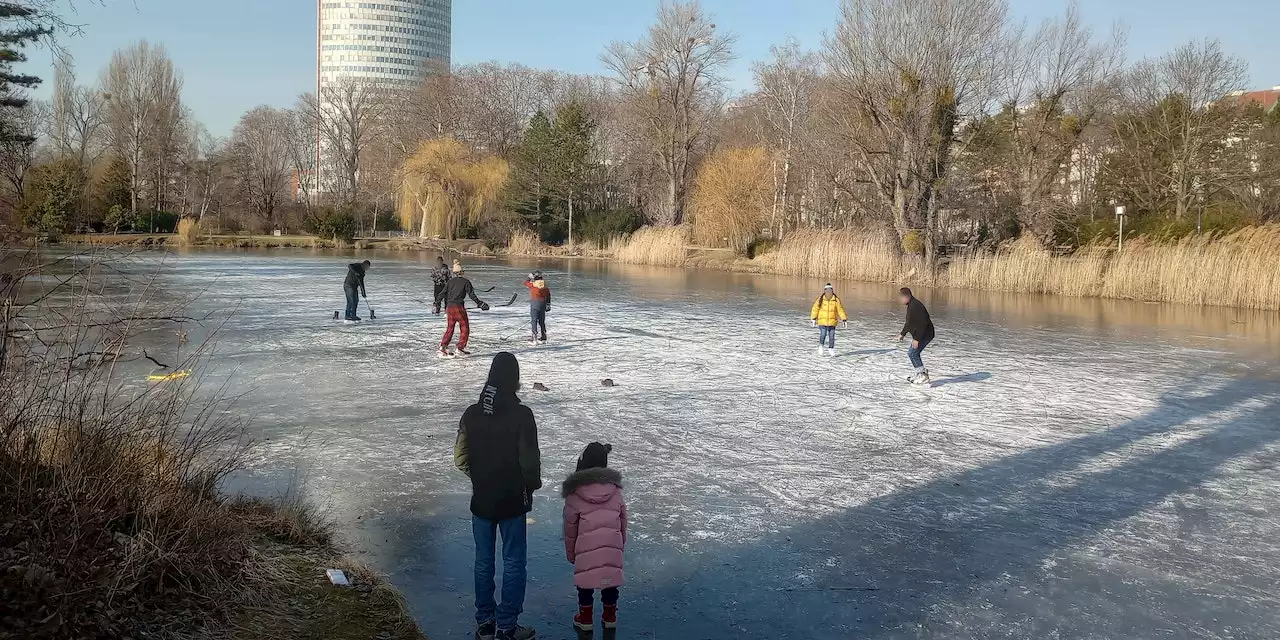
[[389, 41], [387, 44]]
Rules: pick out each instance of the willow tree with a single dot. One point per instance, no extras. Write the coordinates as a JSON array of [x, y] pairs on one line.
[[446, 184], [732, 194]]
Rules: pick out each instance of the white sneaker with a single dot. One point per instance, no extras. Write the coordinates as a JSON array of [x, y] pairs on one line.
[[822, 351], [533, 343], [831, 353]]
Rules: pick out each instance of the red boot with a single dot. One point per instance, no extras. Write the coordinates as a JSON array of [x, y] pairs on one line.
[[585, 620], [610, 616]]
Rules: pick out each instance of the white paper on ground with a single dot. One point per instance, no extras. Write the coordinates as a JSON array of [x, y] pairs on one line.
[[337, 577]]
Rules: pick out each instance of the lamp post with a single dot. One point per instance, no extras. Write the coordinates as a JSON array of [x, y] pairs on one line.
[[1120, 215]]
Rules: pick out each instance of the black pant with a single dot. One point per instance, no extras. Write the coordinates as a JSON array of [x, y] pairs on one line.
[[586, 597], [435, 307]]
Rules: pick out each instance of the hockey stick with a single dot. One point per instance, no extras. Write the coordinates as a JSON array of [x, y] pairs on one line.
[[507, 304]]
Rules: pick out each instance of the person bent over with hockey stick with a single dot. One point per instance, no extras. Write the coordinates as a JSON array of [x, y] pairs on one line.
[[539, 305], [920, 327], [456, 293], [826, 312], [353, 284]]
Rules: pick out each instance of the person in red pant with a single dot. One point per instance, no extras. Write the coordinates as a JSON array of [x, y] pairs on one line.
[[456, 292]]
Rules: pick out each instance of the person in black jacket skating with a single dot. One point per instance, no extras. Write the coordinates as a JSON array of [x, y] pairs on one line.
[[439, 278], [456, 292], [353, 284], [497, 447], [920, 328]]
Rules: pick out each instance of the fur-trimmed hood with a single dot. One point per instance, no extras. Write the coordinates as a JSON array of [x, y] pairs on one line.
[[594, 475]]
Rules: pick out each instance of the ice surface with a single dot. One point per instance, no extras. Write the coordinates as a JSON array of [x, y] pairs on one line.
[[1078, 469]]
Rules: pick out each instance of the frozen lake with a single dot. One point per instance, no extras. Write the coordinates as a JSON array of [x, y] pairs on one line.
[[1080, 468]]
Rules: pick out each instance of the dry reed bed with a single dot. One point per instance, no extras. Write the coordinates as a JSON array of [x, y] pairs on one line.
[[654, 246], [1239, 270], [840, 254]]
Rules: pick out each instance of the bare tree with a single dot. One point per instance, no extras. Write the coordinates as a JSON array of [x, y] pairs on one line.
[[671, 81], [346, 117], [1177, 124], [18, 153], [785, 93], [1059, 80], [907, 72], [143, 98], [300, 137], [261, 155]]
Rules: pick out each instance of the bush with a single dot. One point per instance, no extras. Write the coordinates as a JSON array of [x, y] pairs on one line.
[[155, 222], [913, 243], [761, 246], [116, 217], [339, 226], [601, 227]]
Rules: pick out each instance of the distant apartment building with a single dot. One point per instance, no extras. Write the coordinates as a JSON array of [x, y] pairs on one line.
[[1266, 98]]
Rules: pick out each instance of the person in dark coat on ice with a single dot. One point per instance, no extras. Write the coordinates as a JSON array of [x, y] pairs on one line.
[[353, 285], [497, 447], [456, 293], [920, 327], [439, 278]]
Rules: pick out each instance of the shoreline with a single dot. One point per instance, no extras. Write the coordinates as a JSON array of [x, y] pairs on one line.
[[1146, 273]]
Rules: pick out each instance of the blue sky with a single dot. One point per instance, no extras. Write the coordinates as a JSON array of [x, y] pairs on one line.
[[236, 54]]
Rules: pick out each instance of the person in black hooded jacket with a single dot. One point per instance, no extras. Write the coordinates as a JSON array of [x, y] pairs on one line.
[[920, 327], [497, 447], [354, 283]]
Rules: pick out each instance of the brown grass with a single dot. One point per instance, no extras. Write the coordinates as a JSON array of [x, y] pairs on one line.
[[654, 246], [848, 255], [189, 232], [525, 243], [110, 521], [1238, 270], [1023, 266]]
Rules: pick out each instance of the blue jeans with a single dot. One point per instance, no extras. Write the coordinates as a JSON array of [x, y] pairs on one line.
[[514, 554], [353, 302], [538, 320], [827, 336], [914, 354]]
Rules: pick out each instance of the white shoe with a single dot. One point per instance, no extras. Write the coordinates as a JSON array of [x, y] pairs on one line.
[[533, 343], [831, 353], [923, 378], [822, 351]]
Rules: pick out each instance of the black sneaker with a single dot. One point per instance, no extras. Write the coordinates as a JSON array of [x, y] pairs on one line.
[[487, 631]]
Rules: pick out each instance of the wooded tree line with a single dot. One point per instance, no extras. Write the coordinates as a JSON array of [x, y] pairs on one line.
[[935, 121]]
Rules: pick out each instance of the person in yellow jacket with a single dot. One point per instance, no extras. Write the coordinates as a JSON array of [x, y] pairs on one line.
[[827, 310]]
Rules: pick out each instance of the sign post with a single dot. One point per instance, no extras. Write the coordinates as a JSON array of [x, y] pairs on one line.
[[1120, 215]]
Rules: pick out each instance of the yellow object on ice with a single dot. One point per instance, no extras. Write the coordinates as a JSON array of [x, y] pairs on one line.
[[165, 377]]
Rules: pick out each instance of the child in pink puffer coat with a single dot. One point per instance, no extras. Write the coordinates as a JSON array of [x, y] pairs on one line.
[[595, 531]]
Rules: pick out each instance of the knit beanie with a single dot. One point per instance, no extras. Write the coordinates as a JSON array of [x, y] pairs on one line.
[[457, 266], [595, 455]]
